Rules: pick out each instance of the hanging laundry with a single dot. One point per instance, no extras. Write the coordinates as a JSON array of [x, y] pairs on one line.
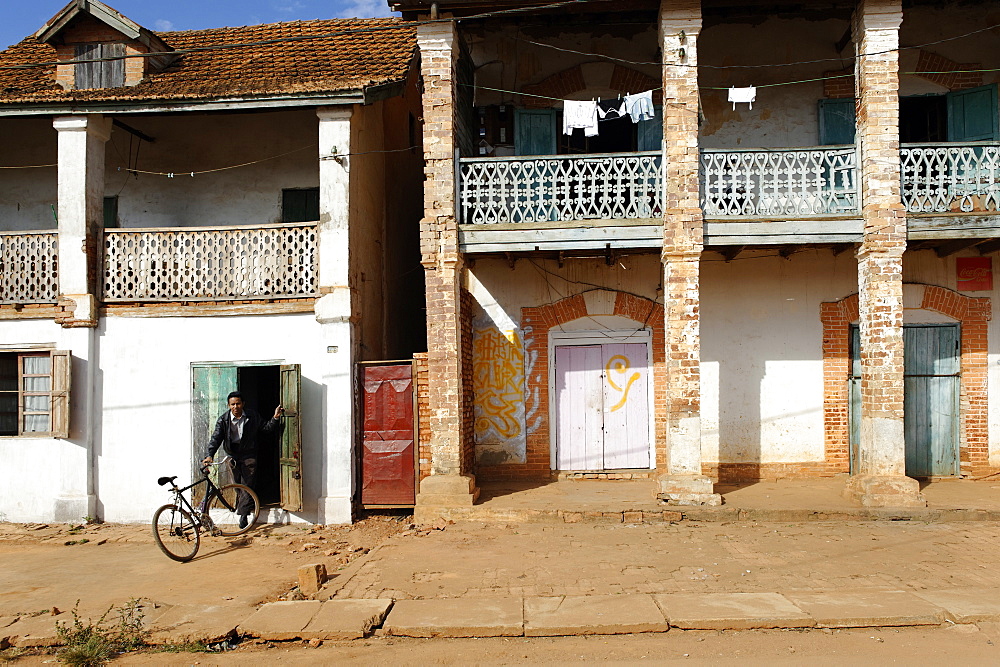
[[611, 109], [580, 114], [640, 106], [741, 95]]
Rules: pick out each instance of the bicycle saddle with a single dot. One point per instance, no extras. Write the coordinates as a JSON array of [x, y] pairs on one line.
[[166, 480]]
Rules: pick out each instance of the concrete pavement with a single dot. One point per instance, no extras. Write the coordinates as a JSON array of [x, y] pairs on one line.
[[608, 568]]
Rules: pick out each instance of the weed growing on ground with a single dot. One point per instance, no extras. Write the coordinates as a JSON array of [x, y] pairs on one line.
[[184, 647], [10, 655], [88, 643]]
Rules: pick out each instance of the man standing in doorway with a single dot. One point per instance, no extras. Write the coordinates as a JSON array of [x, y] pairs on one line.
[[237, 431]]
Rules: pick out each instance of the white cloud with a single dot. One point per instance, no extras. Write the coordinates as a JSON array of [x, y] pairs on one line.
[[289, 6], [163, 25], [364, 9]]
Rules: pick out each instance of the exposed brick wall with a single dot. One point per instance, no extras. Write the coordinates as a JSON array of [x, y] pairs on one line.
[[468, 411], [536, 322], [840, 86], [443, 264], [683, 236], [562, 85], [945, 72], [423, 413], [91, 31], [973, 313]]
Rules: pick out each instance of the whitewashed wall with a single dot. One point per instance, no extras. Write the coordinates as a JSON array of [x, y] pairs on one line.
[[27, 195], [46, 479], [145, 388], [249, 195]]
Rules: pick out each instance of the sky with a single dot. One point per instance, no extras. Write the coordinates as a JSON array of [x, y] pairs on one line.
[[18, 18]]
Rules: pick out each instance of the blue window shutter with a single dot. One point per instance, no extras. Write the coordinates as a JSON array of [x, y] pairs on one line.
[[535, 131], [972, 114], [650, 132], [836, 121]]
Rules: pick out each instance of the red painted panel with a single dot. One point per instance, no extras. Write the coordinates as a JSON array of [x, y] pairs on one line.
[[388, 456]]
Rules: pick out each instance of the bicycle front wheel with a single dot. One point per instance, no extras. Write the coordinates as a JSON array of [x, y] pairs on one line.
[[233, 509], [176, 533]]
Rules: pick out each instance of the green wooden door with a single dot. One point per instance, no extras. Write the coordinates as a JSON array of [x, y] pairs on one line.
[[535, 131], [210, 385], [931, 383], [836, 121], [972, 114], [291, 438], [649, 133]]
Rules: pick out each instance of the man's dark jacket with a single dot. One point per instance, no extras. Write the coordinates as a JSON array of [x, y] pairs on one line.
[[246, 448]]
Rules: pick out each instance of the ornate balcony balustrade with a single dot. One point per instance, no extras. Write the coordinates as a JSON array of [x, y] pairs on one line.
[[781, 184], [29, 267], [951, 178], [217, 263], [563, 188]]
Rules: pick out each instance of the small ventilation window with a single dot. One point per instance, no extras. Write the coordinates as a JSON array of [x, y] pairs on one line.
[[100, 73]]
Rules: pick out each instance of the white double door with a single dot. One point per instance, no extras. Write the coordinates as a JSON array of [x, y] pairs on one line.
[[602, 406]]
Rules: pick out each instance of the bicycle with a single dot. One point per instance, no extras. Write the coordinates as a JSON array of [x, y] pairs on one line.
[[177, 526]]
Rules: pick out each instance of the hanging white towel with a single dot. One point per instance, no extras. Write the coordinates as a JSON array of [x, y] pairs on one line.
[[741, 95], [640, 106], [580, 114]]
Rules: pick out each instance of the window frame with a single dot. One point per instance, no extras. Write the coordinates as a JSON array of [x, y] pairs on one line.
[[60, 364]]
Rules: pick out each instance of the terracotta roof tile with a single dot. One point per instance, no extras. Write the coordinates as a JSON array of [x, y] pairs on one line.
[[331, 56]]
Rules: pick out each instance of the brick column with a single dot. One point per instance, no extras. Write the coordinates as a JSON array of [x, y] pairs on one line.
[[335, 313], [680, 478], [880, 479], [81, 214], [449, 484]]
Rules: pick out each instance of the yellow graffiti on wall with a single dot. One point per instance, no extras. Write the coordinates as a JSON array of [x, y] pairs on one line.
[[498, 385], [620, 364]]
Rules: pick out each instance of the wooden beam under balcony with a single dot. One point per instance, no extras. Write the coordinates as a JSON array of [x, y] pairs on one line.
[[561, 236]]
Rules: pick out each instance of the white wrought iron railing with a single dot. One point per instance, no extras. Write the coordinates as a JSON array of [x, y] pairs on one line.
[[949, 177], [561, 188], [779, 183], [29, 264], [210, 263]]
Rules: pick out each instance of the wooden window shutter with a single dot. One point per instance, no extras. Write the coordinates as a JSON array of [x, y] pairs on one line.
[[62, 362]]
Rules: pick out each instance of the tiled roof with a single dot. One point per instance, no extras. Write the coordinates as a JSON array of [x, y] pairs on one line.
[[349, 54]]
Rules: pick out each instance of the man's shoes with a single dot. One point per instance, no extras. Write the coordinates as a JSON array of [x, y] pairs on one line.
[[244, 520]]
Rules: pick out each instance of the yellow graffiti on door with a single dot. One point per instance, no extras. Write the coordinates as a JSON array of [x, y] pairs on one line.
[[498, 385], [620, 364]]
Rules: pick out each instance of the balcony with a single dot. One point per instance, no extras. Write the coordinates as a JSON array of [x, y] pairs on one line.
[[29, 267], [607, 200], [951, 190], [210, 263]]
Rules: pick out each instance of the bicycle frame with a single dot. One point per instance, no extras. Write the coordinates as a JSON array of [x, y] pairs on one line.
[[211, 490]]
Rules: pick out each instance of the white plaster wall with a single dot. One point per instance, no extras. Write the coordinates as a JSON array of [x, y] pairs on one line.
[[46, 479], [248, 195], [145, 389], [761, 351], [27, 195]]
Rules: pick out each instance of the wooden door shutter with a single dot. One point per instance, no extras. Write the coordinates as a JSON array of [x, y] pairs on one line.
[[62, 364], [650, 132], [972, 114], [291, 439], [535, 132], [836, 121]]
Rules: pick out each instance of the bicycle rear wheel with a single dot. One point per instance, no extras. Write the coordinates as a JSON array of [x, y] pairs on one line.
[[228, 507], [176, 533]]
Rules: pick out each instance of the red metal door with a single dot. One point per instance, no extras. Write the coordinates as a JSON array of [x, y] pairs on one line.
[[388, 461]]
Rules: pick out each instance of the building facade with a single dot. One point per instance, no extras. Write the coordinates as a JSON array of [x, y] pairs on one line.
[[190, 213], [786, 271]]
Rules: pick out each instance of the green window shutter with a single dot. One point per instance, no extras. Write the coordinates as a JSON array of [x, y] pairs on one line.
[[972, 114], [535, 131], [300, 205], [836, 121], [650, 132], [111, 212]]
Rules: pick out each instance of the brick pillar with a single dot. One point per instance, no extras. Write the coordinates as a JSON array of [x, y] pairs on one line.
[[449, 484], [880, 479], [680, 478], [82, 141], [336, 314]]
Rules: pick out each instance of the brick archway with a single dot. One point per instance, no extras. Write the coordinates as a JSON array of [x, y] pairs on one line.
[[535, 325], [972, 313]]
